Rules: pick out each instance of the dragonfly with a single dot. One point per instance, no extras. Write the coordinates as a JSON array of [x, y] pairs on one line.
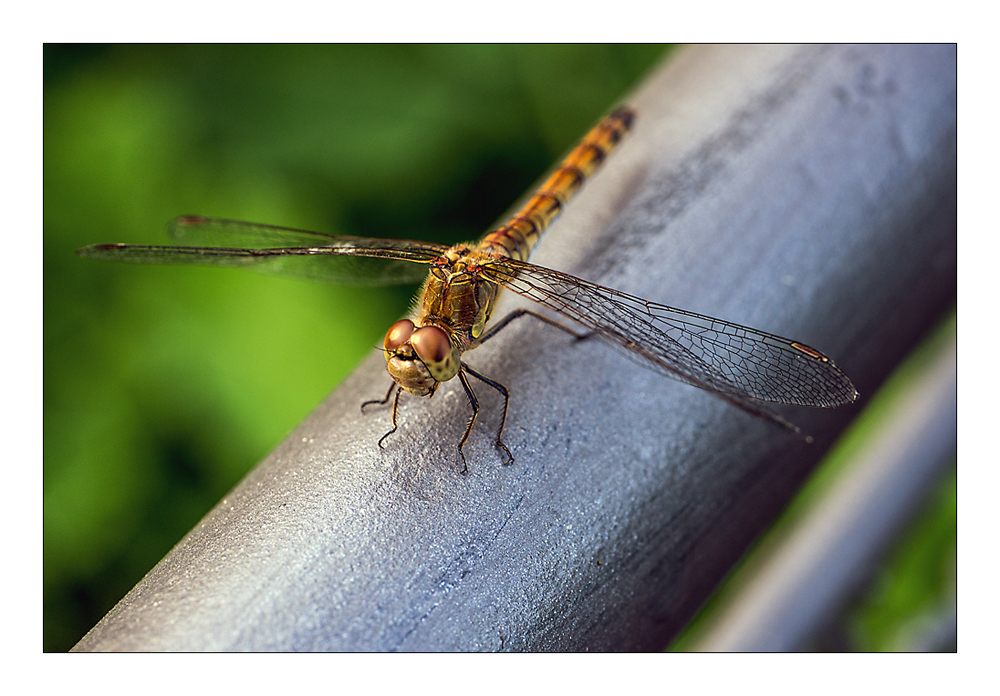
[[746, 367]]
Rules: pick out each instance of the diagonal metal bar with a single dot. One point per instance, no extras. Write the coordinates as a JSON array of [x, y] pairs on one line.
[[806, 191]]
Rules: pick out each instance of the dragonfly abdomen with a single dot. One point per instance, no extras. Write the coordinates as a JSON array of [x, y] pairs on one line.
[[519, 235]]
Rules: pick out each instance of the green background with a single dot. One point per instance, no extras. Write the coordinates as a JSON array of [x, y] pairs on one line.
[[163, 386]]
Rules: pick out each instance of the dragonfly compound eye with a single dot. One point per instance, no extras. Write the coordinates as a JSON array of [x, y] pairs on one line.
[[431, 344], [436, 353], [398, 334]]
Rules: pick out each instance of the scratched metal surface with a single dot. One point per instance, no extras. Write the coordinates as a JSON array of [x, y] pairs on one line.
[[809, 192]]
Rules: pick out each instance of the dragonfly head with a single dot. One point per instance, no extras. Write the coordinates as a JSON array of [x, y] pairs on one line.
[[420, 358]]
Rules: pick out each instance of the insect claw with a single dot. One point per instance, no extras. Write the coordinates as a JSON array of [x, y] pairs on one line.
[[381, 402], [382, 439]]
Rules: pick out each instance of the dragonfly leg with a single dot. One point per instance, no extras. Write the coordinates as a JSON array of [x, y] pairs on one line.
[[474, 402], [503, 418], [766, 415], [517, 314], [395, 409], [381, 402]]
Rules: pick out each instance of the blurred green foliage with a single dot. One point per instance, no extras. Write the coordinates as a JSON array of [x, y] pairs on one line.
[[914, 593], [164, 385]]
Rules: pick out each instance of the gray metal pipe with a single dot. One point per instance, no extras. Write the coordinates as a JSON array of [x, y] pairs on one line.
[[807, 191]]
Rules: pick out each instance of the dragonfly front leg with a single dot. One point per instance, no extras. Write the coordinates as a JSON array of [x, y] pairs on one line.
[[380, 402], [395, 409], [475, 408], [383, 401], [474, 403]]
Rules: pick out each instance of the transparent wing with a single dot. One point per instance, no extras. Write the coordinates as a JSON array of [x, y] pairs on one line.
[[735, 362], [270, 249]]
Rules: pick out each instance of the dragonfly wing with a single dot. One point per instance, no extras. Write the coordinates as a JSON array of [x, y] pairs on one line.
[[330, 258], [736, 362], [197, 230]]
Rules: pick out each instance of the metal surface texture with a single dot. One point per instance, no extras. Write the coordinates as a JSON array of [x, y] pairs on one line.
[[806, 191]]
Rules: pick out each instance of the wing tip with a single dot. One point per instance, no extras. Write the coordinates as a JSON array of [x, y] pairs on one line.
[[98, 251], [186, 220], [177, 227]]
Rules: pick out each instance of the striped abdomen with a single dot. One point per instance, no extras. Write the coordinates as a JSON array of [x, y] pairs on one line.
[[519, 235]]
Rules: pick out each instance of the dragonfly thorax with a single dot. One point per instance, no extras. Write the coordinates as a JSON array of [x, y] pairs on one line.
[[418, 359]]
